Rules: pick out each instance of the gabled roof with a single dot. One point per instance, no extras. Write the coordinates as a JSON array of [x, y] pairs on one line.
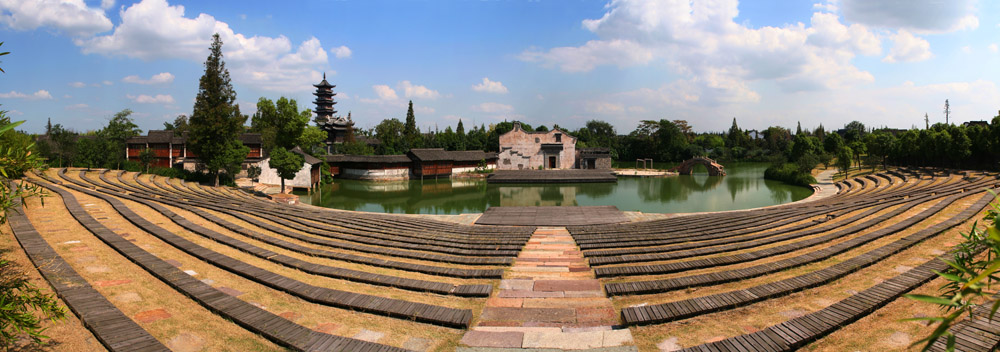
[[439, 154], [311, 160]]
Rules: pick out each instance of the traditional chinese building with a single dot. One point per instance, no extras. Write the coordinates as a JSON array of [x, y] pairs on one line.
[[338, 129], [170, 149], [520, 149]]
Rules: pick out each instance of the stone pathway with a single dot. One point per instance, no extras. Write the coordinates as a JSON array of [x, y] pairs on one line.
[[550, 299]]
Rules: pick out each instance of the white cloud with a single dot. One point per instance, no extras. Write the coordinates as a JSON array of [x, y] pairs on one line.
[[107, 83], [77, 84], [341, 52], [921, 16], [716, 60], [830, 6], [489, 86], [993, 47], [14, 113], [384, 92], [416, 91], [146, 99], [592, 54], [603, 107], [159, 78], [908, 48], [967, 49], [493, 108], [80, 106], [72, 17], [107, 4], [39, 95], [153, 30]]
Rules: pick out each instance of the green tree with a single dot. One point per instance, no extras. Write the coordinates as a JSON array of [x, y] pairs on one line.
[[216, 123], [112, 137], [736, 137], [844, 157], [2, 54], [390, 133], [833, 143], [880, 145], [146, 157], [541, 128], [312, 139], [854, 131], [411, 134], [179, 126], [286, 162]]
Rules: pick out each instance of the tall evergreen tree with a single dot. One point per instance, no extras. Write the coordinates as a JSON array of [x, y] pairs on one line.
[[216, 122], [411, 135]]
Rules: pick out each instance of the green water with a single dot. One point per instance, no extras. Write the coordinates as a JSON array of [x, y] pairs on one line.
[[744, 187]]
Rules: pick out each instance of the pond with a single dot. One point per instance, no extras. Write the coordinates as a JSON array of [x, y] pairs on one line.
[[744, 187]]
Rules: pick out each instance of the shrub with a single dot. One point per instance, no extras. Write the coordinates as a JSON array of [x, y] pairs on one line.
[[789, 173]]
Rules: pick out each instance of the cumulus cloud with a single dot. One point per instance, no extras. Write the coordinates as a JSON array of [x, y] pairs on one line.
[[493, 108], [147, 99], [159, 78], [39, 95], [107, 4], [489, 86], [77, 84], [993, 47], [908, 48], [341, 52], [921, 16], [598, 107], [72, 17], [716, 59], [411, 90], [384, 92], [153, 29]]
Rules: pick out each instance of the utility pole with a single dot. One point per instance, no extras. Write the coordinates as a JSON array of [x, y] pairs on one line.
[[947, 111], [927, 122]]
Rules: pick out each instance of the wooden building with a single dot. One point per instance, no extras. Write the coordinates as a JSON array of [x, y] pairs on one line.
[[416, 164], [170, 149], [437, 162]]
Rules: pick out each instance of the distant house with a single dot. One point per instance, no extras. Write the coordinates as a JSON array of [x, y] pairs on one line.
[[307, 177], [520, 149], [170, 149], [976, 123], [594, 158], [417, 164]]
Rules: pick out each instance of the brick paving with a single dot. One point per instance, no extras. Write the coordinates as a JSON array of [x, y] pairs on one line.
[[549, 299]]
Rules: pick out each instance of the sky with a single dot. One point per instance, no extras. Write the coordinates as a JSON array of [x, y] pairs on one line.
[[565, 62]]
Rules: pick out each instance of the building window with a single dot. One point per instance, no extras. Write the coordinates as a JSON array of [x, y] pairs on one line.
[[558, 137], [537, 140]]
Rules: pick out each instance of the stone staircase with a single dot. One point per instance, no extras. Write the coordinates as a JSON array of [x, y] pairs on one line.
[[549, 299]]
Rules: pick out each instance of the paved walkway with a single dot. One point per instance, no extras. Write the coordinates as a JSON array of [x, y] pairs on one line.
[[549, 299]]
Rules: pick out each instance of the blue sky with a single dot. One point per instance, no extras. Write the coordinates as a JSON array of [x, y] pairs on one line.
[[885, 63]]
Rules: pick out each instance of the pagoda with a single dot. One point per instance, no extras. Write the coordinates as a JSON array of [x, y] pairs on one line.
[[338, 129]]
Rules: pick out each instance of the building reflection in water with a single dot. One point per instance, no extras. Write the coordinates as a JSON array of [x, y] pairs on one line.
[[743, 188]]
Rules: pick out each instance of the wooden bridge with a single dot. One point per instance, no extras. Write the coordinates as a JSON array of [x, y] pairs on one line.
[[714, 168]]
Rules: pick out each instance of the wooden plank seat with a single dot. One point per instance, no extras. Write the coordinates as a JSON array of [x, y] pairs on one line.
[[683, 309], [421, 312], [459, 242], [762, 238], [664, 285], [358, 239], [312, 268], [795, 333], [115, 330], [444, 245], [273, 327]]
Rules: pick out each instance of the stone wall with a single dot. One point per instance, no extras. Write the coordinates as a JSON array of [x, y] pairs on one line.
[[376, 174], [269, 176]]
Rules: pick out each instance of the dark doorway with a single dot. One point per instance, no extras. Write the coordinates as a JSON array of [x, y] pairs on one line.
[[591, 163], [552, 162]]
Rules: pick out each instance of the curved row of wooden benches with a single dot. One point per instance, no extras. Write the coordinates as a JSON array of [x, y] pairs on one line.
[[110, 326], [388, 249], [312, 268], [797, 332], [782, 249], [396, 308], [273, 327], [676, 310]]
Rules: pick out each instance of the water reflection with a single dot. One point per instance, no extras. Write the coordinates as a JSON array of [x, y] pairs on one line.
[[744, 188]]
